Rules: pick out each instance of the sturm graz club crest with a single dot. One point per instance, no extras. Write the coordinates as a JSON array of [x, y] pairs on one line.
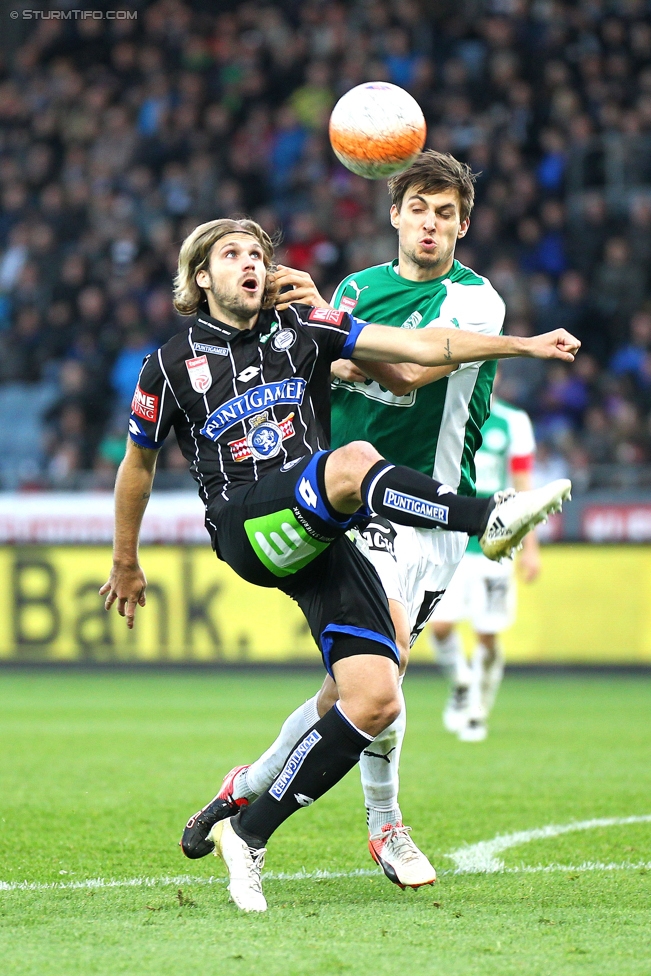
[[265, 438]]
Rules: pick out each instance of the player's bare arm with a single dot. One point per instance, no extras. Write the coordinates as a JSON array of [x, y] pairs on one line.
[[399, 378], [448, 347], [127, 582]]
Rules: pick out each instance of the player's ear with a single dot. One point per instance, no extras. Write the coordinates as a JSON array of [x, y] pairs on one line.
[[463, 227], [395, 216], [203, 279]]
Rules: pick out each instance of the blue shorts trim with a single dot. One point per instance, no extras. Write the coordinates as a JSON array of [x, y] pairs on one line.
[[328, 635]]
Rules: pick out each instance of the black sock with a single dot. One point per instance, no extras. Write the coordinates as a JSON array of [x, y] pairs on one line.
[[319, 760], [411, 498]]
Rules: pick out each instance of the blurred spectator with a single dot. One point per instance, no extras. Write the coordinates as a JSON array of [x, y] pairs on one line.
[[119, 137]]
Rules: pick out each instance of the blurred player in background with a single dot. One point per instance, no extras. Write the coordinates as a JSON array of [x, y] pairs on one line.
[[481, 591]]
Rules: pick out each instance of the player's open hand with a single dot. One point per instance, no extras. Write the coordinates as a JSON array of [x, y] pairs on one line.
[[300, 288], [558, 344], [127, 585]]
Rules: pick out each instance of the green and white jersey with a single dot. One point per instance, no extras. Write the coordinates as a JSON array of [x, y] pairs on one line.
[[435, 429], [508, 446]]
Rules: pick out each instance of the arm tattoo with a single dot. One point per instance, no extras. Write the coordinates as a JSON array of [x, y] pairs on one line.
[[448, 352]]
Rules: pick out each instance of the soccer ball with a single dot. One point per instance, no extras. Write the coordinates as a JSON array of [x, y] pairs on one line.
[[377, 129]]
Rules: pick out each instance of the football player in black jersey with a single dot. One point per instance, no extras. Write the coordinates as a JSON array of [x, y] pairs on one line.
[[246, 389]]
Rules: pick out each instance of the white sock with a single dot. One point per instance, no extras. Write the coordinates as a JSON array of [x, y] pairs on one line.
[[378, 766], [450, 655], [492, 675], [261, 774], [478, 703]]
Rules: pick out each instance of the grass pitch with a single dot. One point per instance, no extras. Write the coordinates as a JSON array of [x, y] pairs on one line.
[[98, 774]]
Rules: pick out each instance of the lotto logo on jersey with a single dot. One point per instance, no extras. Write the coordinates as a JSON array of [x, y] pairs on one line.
[[199, 373], [329, 316], [145, 405]]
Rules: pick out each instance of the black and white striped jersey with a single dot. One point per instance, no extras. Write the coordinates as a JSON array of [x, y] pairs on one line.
[[243, 403]]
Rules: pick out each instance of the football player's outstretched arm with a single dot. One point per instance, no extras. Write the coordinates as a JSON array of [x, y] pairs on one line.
[[447, 347], [398, 378], [127, 582]]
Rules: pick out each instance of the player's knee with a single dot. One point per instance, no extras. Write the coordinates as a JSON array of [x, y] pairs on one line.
[[380, 712], [358, 457]]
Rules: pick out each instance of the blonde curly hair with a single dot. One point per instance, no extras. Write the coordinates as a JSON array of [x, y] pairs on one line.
[[194, 256]]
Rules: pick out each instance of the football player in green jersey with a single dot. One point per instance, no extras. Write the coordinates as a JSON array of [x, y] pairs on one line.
[[482, 591], [427, 417]]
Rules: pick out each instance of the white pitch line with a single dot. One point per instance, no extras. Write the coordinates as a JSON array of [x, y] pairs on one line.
[[184, 879], [470, 859], [480, 858]]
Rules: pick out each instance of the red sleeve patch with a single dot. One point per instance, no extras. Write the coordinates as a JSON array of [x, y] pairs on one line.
[[522, 464], [330, 316], [145, 405]]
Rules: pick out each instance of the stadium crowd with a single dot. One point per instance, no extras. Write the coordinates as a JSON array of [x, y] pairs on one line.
[[119, 136]]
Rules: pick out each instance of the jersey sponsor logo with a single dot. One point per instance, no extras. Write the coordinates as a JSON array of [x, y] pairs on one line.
[[329, 316], [348, 304], [380, 536], [293, 764], [413, 321], [264, 440], [199, 373], [224, 330], [213, 350], [145, 405], [248, 374], [283, 340], [242, 407], [415, 506], [307, 493]]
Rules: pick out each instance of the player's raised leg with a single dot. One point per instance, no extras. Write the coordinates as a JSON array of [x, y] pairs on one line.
[[356, 476]]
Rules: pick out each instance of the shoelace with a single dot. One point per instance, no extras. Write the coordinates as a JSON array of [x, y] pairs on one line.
[[401, 843], [255, 867]]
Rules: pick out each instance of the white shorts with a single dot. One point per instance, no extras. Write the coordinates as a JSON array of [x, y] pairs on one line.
[[482, 592], [414, 565]]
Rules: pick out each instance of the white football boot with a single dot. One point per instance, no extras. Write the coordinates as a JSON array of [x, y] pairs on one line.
[[456, 708], [516, 513], [402, 862], [473, 730], [244, 865]]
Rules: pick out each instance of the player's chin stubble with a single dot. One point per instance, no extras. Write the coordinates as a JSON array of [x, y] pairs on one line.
[[235, 305]]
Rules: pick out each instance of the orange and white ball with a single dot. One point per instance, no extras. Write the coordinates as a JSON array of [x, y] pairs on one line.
[[377, 130]]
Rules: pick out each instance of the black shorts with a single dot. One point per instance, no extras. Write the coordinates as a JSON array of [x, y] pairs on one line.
[[281, 532]]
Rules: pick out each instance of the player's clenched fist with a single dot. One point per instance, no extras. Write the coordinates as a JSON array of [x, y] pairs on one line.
[[558, 344], [127, 585]]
